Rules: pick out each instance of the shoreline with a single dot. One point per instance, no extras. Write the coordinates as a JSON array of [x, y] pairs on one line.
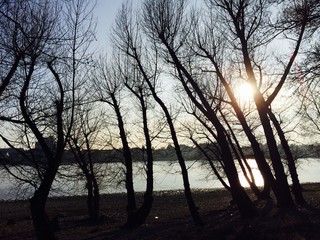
[[169, 218], [138, 193]]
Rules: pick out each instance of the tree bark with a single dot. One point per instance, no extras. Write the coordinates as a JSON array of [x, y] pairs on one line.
[[145, 209], [241, 159], [93, 197], [43, 227], [89, 196]]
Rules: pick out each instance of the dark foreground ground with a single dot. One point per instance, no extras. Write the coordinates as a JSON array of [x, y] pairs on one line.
[[169, 219]]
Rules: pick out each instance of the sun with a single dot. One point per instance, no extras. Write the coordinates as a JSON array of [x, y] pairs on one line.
[[244, 92]]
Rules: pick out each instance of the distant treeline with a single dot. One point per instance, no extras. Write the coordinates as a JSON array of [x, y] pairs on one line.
[[25, 157]]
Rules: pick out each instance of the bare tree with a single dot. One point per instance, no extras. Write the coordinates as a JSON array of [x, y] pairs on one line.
[[165, 24], [83, 140], [109, 86], [44, 91], [135, 83], [128, 40], [15, 39], [248, 23], [231, 137], [307, 85]]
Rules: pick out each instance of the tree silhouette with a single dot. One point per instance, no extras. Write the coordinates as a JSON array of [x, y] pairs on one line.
[[43, 92]]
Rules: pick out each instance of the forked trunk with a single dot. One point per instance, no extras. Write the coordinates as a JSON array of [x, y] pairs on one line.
[[140, 216]]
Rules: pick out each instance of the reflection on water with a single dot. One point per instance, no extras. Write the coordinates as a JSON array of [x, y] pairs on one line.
[[256, 174], [166, 177]]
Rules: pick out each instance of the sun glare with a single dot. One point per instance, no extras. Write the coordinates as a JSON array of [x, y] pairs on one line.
[[244, 92]]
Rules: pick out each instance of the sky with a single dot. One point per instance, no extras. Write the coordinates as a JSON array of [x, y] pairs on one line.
[[105, 13]]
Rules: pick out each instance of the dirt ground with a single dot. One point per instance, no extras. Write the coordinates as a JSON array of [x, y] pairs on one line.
[[169, 218]]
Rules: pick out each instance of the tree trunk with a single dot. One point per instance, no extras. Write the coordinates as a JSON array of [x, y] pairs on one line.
[[43, 227], [258, 153], [280, 185], [296, 187], [141, 215], [95, 186], [244, 203], [281, 188], [241, 198], [131, 207], [89, 197], [93, 198], [192, 207], [187, 191], [40, 219], [144, 211], [96, 199], [241, 158]]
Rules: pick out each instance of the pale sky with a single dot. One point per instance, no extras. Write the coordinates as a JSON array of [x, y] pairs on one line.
[[105, 13]]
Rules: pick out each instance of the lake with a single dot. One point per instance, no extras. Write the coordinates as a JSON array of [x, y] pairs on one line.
[[166, 177]]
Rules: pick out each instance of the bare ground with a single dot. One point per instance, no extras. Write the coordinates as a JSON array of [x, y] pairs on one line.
[[169, 218]]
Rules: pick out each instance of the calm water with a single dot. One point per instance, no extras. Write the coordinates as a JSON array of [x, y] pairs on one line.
[[166, 177]]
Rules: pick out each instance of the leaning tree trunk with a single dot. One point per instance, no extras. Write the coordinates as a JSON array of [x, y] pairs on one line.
[[192, 207], [187, 191], [131, 207], [280, 185], [43, 227], [281, 188], [244, 203], [241, 159], [257, 152], [296, 187]]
